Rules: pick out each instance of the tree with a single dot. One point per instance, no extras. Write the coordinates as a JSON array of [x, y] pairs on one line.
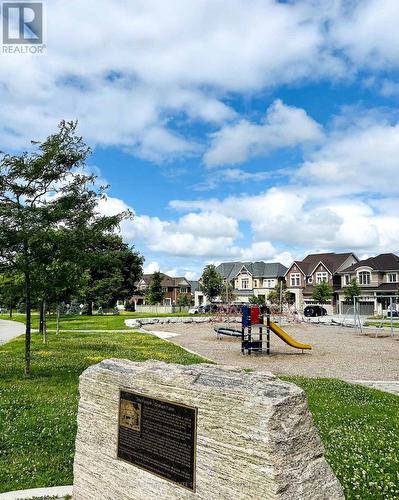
[[227, 294], [11, 290], [113, 270], [155, 294], [211, 282], [184, 300], [322, 292], [46, 199], [279, 295], [257, 300], [352, 290]]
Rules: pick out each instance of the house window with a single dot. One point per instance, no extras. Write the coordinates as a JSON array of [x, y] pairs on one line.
[[364, 278], [310, 280], [295, 279], [244, 283], [270, 283], [255, 283], [321, 277], [347, 279], [392, 278]]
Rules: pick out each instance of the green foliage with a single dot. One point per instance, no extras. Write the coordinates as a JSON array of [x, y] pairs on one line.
[[184, 300], [38, 415], [352, 290], [49, 218], [322, 292], [227, 296], [359, 428], [211, 282], [155, 294], [274, 296], [113, 270], [257, 300]]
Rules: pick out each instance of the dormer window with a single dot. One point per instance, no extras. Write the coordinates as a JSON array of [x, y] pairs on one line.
[[392, 277], [364, 278], [321, 277], [310, 280]]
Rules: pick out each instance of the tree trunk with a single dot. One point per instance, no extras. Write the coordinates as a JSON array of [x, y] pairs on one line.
[[28, 324], [10, 311], [89, 308], [44, 323], [58, 319], [42, 315]]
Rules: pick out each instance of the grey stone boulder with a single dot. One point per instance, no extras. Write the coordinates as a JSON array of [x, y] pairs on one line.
[[255, 435]]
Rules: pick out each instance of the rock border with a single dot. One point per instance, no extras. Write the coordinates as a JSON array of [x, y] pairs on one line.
[[138, 322]]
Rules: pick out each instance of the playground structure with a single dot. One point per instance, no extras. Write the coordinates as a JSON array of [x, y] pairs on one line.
[[255, 327], [379, 327]]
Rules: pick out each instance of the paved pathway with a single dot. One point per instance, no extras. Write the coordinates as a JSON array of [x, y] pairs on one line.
[[57, 492], [391, 386], [10, 330]]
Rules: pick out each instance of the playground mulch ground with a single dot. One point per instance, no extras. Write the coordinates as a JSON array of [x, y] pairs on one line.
[[338, 352]]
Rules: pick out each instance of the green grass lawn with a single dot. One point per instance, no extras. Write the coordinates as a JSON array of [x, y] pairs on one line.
[[359, 426], [385, 323], [38, 415], [71, 322]]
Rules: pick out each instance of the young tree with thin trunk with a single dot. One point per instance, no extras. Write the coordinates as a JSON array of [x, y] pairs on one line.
[[211, 282], [43, 193]]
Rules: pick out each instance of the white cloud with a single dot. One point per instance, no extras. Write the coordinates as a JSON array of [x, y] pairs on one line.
[[131, 66], [357, 159], [151, 267], [283, 127], [368, 32]]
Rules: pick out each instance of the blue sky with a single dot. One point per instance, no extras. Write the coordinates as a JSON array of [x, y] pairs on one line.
[[234, 129]]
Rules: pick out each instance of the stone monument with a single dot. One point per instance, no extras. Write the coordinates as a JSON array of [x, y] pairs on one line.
[[160, 431]]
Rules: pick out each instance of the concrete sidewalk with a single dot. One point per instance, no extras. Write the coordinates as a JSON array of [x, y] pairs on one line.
[[10, 330]]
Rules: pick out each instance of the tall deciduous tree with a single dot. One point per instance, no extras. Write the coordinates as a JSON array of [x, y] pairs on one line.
[[211, 282], [44, 192], [155, 294], [113, 270]]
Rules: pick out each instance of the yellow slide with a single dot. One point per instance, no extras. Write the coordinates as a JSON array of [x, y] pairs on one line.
[[287, 339]]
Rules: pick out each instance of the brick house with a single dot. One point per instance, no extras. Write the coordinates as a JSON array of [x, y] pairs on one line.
[[302, 275], [173, 287], [377, 277]]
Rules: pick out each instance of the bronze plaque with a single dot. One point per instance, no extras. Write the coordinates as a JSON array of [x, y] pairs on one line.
[[158, 436]]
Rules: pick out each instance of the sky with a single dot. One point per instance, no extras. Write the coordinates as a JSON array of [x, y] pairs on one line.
[[233, 129]]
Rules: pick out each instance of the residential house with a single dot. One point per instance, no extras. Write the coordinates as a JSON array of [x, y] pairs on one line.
[[302, 276], [377, 277], [172, 287], [248, 279]]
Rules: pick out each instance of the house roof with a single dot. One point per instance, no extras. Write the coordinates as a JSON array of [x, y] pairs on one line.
[[331, 261], [229, 270], [167, 281], [382, 262], [195, 286]]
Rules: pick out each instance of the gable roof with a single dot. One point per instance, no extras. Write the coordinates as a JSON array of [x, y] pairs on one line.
[[260, 269], [167, 281], [382, 262], [331, 261]]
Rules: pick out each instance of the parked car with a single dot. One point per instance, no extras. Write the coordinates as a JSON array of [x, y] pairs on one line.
[[194, 310], [208, 308], [314, 311], [395, 314]]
